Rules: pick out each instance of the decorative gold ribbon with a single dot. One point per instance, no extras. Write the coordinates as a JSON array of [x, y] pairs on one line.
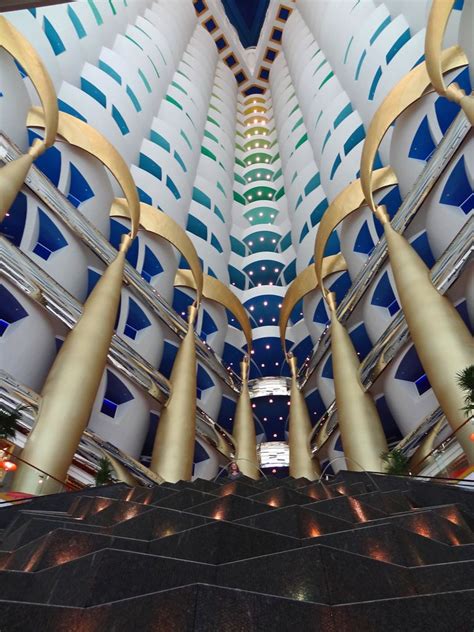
[[303, 284], [349, 200], [215, 290], [408, 90], [437, 22], [302, 464], [13, 174], [243, 430]]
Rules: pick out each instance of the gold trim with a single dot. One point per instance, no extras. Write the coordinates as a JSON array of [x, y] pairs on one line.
[[306, 282], [20, 48], [155, 221], [215, 290], [435, 30], [173, 449], [84, 136], [420, 458], [408, 90], [349, 200]]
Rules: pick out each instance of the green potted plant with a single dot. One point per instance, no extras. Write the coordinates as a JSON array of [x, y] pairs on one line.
[[104, 473], [465, 379], [8, 422], [396, 463]]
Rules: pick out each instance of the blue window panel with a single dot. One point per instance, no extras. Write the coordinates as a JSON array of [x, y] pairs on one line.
[[79, 188], [457, 190], [361, 341], [116, 231], [236, 246], [401, 41], [343, 114], [384, 296], [201, 198], [49, 162], [147, 164], [208, 325], [204, 381], [180, 161], [118, 118], [462, 311], [458, 5], [388, 422], [110, 71], [354, 139], [11, 311], [13, 225], [298, 202], [108, 408], [50, 238], [315, 406], [340, 286], [137, 320], [320, 314], [68, 109], [304, 232], [95, 12], [93, 91], [196, 227], [290, 271], [215, 242], [410, 369], [327, 369], [200, 453], [167, 359], [151, 265], [303, 350], [160, 140], [77, 24], [359, 65], [211, 272], [53, 37], [328, 136], [286, 241], [145, 80], [335, 166], [375, 83], [333, 245], [347, 49], [422, 384], [33, 12], [217, 211], [379, 30], [422, 246], [172, 187], [116, 393], [364, 242], [237, 278], [144, 197], [423, 144], [318, 213], [312, 184], [92, 279]]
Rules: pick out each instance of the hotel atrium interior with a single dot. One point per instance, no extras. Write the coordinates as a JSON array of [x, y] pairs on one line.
[[236, 243]]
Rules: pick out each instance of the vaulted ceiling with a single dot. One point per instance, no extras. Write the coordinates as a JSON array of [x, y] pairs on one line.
[[247, 17]]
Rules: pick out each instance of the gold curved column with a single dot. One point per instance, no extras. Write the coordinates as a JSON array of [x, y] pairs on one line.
[[71, 386], [121, 472], [13, 174], [362, 435], [349, 200], [73, 381], [173, 449], [244, 429], [408, 90], [435, 30], [421, 457], [442, 340], [302, 463]]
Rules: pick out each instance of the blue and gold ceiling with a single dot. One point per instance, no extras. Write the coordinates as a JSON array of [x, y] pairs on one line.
[[247, 17]]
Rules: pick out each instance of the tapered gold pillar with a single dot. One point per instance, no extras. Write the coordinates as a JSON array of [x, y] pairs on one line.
[[442, 340], [244, 429], [362, 435], [421, 457], [71, 386], [173, 450], [299, 431]]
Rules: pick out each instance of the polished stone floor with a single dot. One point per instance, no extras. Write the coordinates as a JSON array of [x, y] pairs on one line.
[[357, 553]]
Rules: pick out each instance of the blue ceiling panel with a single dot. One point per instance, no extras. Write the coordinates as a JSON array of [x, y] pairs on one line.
[[247, 17]]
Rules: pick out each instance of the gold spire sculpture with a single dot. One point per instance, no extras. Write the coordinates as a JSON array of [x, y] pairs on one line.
[[362, 434], [302, 463], [72, 383], [442, 340], [437, 22], [13, 174], [173, 448], [244, 428]]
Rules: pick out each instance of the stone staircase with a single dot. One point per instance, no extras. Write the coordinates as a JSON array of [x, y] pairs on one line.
[[359, 553]]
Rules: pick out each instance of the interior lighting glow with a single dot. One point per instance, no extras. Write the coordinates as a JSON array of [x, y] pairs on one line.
[[249, 197], [260, 214], [267, 160], [258, 159], [263, 268], [262, 238], [270, 196], [268, 177], [250, 243], [267, 346], [265, 303], [257, 144], [259, 193]]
